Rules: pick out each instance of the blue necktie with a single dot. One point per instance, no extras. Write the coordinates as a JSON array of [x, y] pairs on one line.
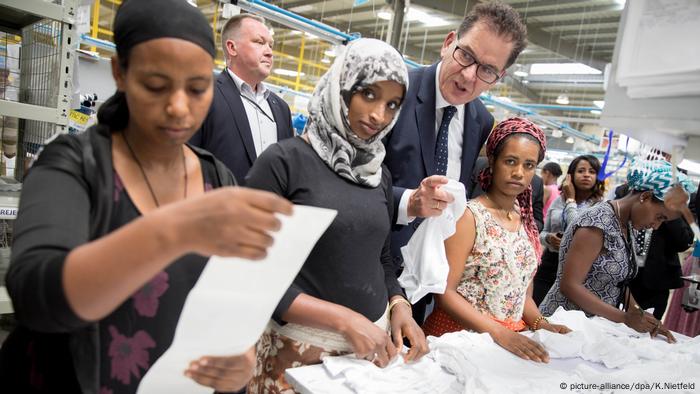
[[441, 143]]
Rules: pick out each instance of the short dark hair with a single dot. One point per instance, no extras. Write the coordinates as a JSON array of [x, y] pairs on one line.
[[503, 20], [553, 168], [599, 186], [231, 26]]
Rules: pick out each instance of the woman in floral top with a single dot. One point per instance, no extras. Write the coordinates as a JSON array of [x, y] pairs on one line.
[[493, 253]]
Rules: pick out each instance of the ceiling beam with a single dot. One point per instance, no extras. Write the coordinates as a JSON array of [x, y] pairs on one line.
[[522, 88], [555, 43], [456, 7], [574, 12], [321, 16], [584, 23], [288, 5]]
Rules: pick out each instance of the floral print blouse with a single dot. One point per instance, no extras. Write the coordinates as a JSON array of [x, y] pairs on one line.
[[499, 269]]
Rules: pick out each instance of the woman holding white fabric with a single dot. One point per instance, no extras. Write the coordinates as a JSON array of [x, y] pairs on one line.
[[346, 297], [493, 253]]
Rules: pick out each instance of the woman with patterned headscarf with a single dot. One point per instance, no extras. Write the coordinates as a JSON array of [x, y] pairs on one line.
[[346, 299], [493, 253], [596, 259]]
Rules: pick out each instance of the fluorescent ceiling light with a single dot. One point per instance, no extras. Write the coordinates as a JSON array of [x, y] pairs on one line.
[[329, 53], [386, 15], [312, 36], [521, 73], [295, 32], [596, 111], [562, 99], [599, 103], [416, 15], [286, 73], [570, 140], [690, 166], [562, 68], [325, 60], [525, 81]]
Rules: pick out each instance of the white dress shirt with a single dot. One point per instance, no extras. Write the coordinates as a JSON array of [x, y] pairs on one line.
[[263, 129], [454, 145]]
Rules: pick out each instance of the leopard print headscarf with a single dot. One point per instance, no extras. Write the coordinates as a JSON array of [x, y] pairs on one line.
[[365, 61]]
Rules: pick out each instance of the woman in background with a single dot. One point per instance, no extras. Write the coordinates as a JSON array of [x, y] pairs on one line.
[[580, 190], [494, 252], [596, 263], [550, 174], [114, 224], [346, 298]]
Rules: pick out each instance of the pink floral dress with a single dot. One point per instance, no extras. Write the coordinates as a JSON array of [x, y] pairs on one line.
[[499, 268]]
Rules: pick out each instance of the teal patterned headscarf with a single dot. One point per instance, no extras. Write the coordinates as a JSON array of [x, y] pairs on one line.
[[656, 176]]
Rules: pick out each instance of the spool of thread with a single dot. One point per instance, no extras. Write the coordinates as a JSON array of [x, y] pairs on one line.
[[9, 136]]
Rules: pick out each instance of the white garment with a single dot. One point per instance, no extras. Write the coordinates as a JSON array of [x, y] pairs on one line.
[[263, 130], [425, 263], [362, 376], [586, 356]]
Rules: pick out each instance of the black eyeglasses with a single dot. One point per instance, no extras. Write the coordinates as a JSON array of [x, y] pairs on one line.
[[483, 72]]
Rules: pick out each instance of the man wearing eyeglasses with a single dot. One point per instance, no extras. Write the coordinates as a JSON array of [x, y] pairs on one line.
[[245, 117], [443, 124]]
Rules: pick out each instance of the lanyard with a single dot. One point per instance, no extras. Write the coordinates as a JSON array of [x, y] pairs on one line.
[[258, 107]]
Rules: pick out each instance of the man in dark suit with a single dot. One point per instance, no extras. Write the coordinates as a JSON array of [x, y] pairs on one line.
[[245, 117], [443, 124]]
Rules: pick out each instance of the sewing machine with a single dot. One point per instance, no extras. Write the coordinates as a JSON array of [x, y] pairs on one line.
[[691, 295]]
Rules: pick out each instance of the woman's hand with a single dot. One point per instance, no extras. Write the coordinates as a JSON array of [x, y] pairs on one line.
[[567, 188], [641, 321], [368, 341], [520, 345], [403, 325], [223, 373], [230, 221], [557, 328], [553, 240]]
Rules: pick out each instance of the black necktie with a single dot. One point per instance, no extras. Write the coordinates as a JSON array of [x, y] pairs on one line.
[[441, 143]]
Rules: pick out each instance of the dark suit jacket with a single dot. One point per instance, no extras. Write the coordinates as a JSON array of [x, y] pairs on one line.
[[537, 191], [410, 147], [226, 131], [662, 268]]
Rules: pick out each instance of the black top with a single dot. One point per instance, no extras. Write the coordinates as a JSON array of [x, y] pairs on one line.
[[64, 200], [141, 329], [351, 263]]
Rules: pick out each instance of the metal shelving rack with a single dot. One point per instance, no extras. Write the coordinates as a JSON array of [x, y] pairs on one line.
[[51, 25], [49, 40]]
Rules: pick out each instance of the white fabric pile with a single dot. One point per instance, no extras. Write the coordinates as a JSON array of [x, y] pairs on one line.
[[596, 352]]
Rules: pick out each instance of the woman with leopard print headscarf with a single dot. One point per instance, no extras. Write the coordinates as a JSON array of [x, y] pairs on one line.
[[346, 299]]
